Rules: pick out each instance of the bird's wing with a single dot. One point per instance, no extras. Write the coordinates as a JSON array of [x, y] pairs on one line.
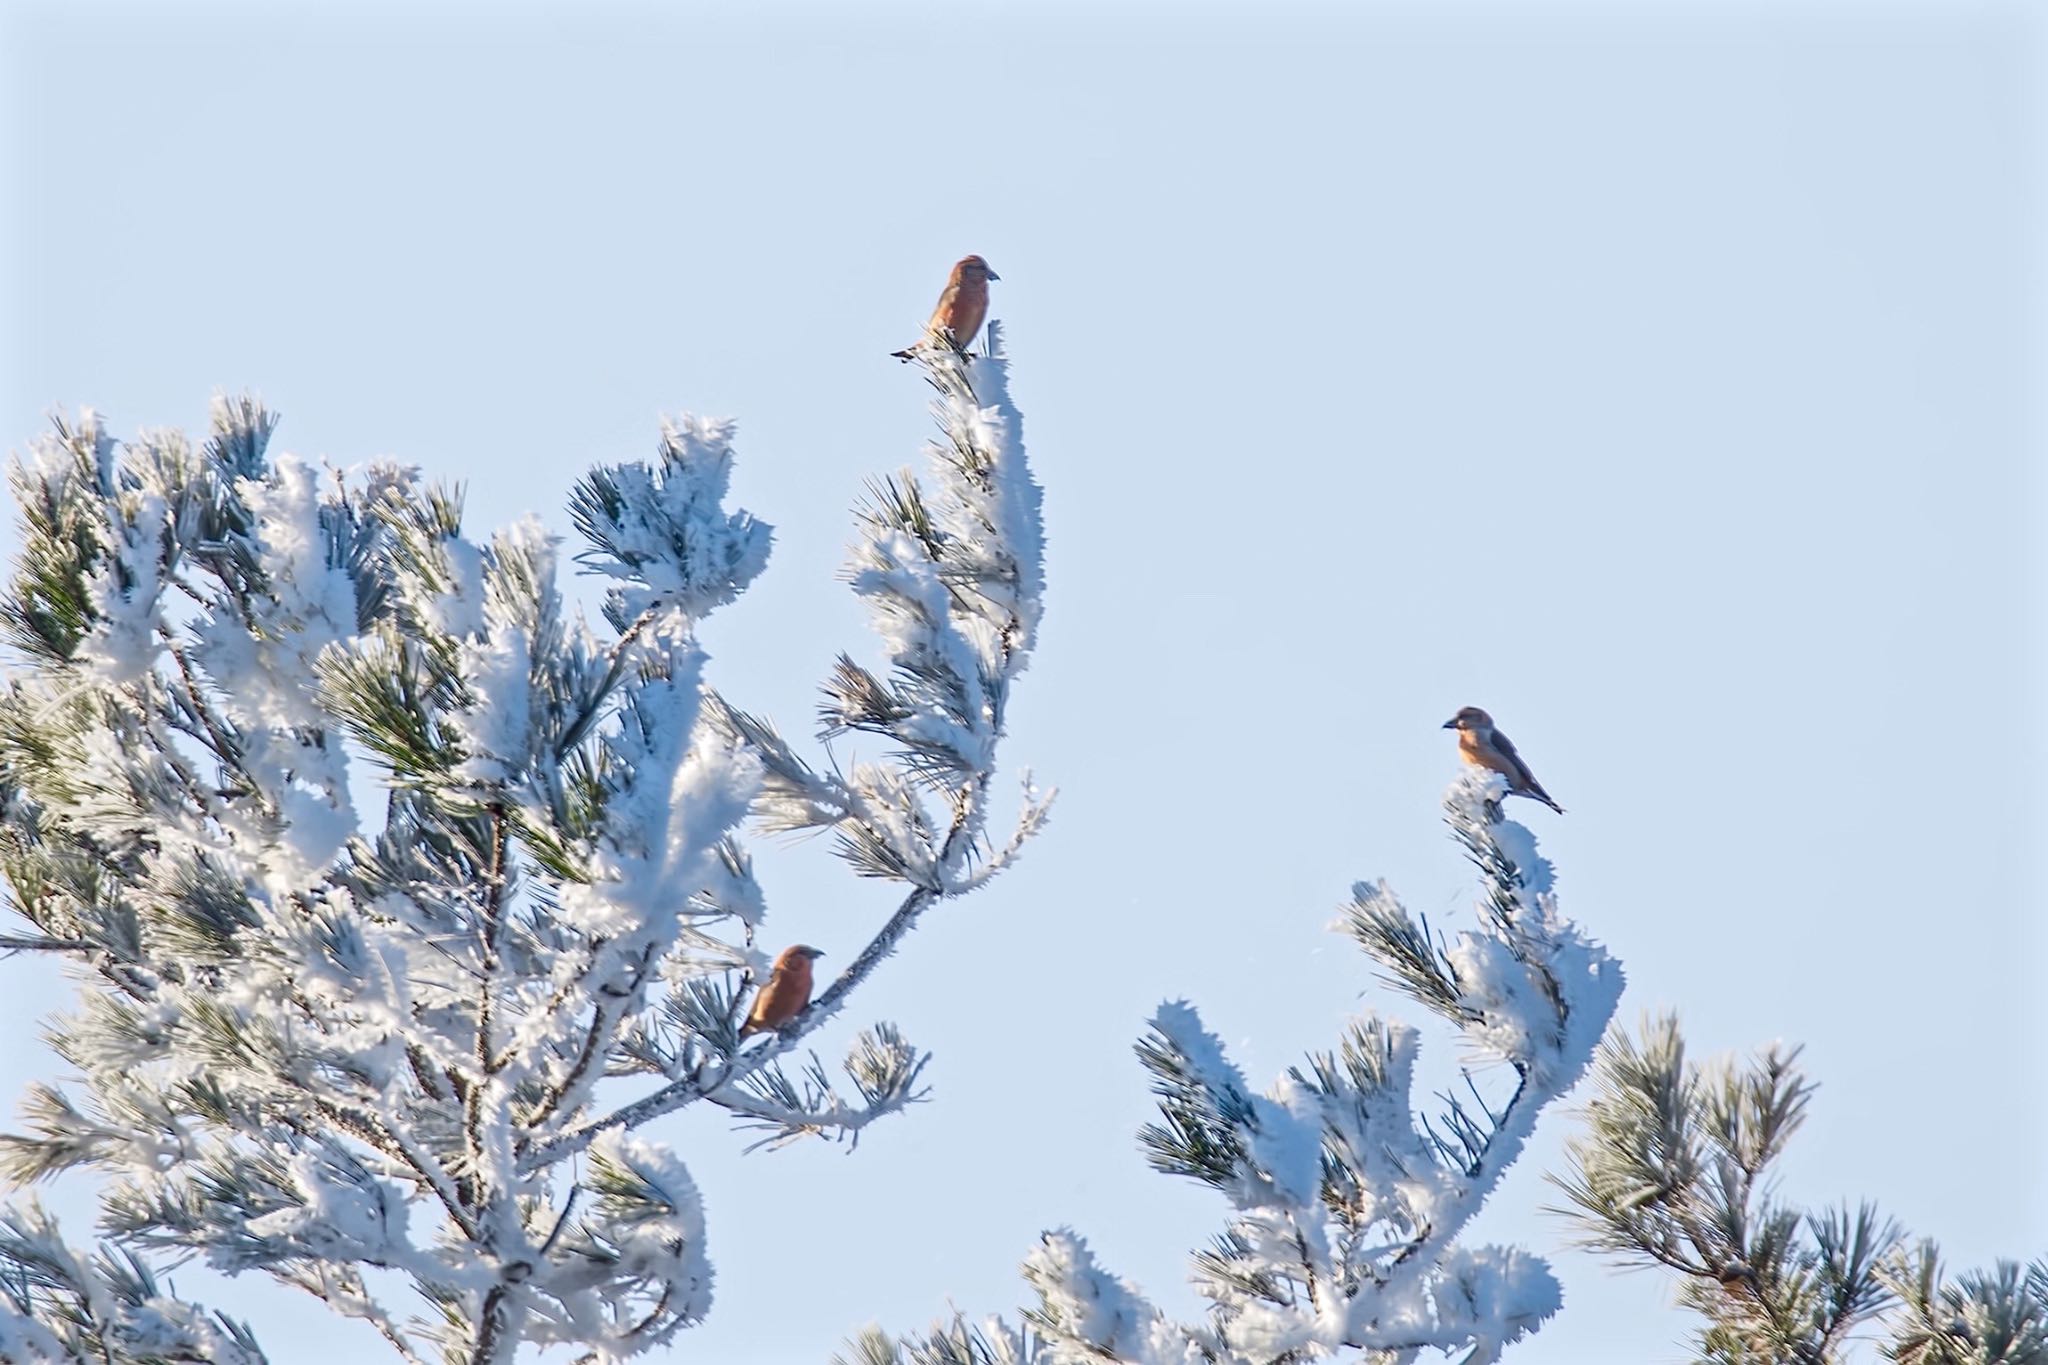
[[1524, 779], [1507, 751], [942, 314], [767, 997]]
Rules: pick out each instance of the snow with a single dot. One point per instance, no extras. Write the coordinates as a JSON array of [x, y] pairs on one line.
[[1497, 986], [496, 663], [288, 510], [334, 1218], [671, 540], [1090, 1303], [55, 464], [1287, 1144], [1203, 1050], [687, 786], [1013, 504], [125, 591], [24, 1340], [658, 1238], [1519, 844], [331, 1028], [263, 680], [1345, 1215], [456, 609], [1494, 1296]]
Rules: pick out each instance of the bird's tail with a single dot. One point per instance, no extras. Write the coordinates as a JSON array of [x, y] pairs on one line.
[[933, 341]]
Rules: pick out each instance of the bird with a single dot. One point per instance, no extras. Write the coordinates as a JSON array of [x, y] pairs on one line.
[[1485, 747], [962, 306], [787, 993]]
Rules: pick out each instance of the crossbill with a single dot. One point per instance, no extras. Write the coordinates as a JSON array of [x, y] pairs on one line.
[[1485, 747], [961, 308], [787, 993]]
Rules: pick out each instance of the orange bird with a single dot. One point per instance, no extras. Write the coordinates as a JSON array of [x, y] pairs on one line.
[[1485, 747], [787, 992], [961, 308]]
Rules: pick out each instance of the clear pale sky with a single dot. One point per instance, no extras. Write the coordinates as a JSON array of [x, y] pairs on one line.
[[1666, 379]]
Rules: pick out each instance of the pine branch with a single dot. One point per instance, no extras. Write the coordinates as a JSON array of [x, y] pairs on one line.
[[715, 1077], [301, 1030], [1995, 1317], [957, 1342], [1347, 1208], [37, 943], [1675, 1170], [60, 1305]]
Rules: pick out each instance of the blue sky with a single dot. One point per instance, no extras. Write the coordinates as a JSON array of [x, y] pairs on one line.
[[1664, 378]]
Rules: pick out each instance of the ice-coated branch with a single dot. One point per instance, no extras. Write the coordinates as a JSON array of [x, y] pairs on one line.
[[954, 582], [420, 1040], [1347, 1206], [882, 1067], [60, 1304], [1674, 1169]]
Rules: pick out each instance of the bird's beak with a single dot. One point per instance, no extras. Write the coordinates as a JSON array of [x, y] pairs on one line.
[[1450, 725], [817, 953], [990, 273]]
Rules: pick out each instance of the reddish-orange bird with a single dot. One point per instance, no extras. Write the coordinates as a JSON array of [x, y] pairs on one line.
[[1485, 747], [961, 308], [787, 992]]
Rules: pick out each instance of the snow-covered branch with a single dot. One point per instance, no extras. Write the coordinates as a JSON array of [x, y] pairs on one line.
[[61, 1304], [320, 1043], [1346, 1206], [954, 582]]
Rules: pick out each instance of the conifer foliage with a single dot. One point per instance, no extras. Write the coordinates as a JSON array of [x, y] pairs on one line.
[[1346, 1207], [418, 1048], [1675, 1169]]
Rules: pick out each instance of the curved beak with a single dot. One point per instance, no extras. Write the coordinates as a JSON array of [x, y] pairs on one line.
[[1450, 725], [990, 273], [816, 953]]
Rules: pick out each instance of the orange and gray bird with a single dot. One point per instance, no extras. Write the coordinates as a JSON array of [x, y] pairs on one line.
[[787, 992], [1485, 747], [961, 308]]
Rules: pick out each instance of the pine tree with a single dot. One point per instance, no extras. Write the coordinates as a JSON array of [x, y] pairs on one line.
[[1674, 1170], [356, 1054], [1346, 1208]]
